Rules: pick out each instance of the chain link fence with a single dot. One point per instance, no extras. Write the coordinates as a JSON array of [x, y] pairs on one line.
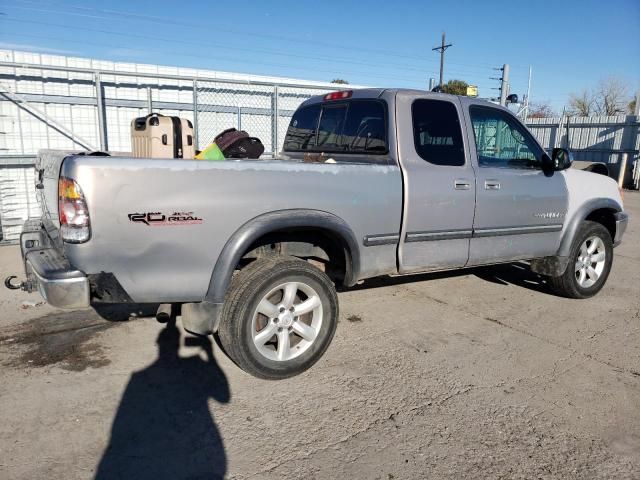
[[222, 106], [78, 104]]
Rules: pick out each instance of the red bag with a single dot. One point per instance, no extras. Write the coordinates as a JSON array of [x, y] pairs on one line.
[[238, 144]]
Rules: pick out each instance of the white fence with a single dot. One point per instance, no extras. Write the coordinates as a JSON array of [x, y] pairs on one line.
[[594, 139]]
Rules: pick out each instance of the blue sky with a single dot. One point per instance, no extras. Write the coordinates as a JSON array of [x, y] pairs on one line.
[[570, 44]]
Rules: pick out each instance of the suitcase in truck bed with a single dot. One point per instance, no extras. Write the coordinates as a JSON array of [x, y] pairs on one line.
[[157, 136]]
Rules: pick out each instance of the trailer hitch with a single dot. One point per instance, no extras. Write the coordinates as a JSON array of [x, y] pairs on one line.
[[27, 286], [8, 282]]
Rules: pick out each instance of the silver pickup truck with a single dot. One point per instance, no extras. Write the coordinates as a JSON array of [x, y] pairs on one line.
[[370, 182]]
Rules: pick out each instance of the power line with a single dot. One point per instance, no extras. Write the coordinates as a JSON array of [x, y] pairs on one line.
[[163, 20], [211, 44], [67, 28], [199, 57]]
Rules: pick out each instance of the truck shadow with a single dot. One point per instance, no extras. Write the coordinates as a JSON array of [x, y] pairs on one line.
[[163, 428], [518, 274]]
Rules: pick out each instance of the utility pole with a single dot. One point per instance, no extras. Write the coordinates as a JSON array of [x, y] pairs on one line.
[[504, 83], [527, 99], [441, 49], [504, 86]]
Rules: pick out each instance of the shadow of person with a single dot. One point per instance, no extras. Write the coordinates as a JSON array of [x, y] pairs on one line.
[[163, 428]]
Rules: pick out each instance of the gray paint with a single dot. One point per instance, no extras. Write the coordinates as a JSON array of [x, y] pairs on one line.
[[522, 196], [247, 234], [175, 263], [439, 227], [431, 203]]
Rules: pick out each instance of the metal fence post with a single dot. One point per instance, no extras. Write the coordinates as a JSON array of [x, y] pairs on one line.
[[195, 113], [276, 114], [239, 117], [102, 119], [149, 100], [623, 170]]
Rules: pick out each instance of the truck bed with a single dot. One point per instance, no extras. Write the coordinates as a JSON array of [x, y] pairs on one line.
[[159, 225]]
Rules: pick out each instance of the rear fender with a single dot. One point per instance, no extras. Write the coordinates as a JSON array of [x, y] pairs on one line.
[[204, 317]]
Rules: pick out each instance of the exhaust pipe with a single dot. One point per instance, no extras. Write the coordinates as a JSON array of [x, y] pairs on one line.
[[164, 313]]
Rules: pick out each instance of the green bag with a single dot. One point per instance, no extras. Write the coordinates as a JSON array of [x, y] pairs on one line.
[[212, 152]]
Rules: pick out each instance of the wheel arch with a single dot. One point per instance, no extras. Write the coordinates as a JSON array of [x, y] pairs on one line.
[[265, 226], [601, 210]]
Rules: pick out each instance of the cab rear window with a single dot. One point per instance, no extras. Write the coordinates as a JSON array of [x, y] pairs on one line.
[[355, 126]]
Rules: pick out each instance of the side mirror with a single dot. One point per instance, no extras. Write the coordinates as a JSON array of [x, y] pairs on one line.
[[562, 159]]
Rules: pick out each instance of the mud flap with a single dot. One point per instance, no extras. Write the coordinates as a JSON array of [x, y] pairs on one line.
[[551, 266], [201, 318]]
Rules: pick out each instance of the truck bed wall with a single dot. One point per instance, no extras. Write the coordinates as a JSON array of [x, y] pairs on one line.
[[173, 261]]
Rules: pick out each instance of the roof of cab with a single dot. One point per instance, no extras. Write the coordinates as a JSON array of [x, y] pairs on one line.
[[378, 92]]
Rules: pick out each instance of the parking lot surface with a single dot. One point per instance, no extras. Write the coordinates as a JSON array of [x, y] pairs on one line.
[[480, 373]]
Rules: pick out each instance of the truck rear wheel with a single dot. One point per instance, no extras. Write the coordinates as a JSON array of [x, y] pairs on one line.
[[589, 263], [279, 317]]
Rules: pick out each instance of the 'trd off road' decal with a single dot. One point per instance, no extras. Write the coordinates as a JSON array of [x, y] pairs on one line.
[[159, 219]]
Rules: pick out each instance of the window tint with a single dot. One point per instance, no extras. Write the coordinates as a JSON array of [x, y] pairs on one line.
[[365, 128], [355, 126], [501, 141], [436, 132], [331, 125], [302, 130]]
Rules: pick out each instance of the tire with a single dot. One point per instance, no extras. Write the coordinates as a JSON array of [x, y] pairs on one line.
[[570, 283], [259, 302]]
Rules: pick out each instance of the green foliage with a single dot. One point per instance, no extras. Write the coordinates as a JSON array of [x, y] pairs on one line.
[[340, 81], [455, 87]]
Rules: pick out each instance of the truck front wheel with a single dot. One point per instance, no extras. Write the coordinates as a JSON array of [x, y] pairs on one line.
[[279, 317], [589, 263]]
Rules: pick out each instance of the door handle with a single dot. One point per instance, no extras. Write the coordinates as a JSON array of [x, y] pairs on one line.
[[491, 185], [461, 184]]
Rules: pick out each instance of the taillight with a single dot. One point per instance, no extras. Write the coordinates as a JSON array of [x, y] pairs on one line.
[[73, 212], [338, 95]]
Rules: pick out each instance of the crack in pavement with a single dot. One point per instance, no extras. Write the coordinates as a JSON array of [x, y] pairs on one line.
[[500, 323], [411, 411]]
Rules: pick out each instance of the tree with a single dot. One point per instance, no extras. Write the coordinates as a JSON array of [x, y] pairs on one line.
[[632, 106], [541, 110], [581, 104], [455, 87], [609, 97], [340, 81], [612, 96]]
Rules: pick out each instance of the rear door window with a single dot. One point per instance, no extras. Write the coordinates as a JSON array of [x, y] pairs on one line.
[[356, 126], [437, 133]]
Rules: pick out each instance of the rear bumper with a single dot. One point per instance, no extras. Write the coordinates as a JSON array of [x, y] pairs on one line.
[[49, 272], [59, 284], [622, 219]]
